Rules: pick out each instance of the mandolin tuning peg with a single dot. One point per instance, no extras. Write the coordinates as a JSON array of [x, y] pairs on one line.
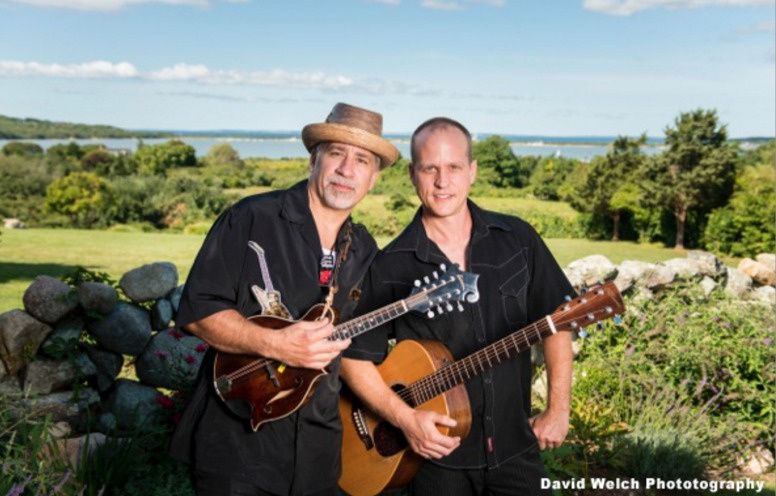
[[583, 290], [426, 279], [436, 276], [583, 333], [460, 307], [440, 311], [618, 319], [417, 283], [567, 298], [442, 267], [430, 314], [600, 325], [449, 307]]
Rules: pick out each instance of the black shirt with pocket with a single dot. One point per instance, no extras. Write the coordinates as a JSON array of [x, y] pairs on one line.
[[298, 454], [519, 283]]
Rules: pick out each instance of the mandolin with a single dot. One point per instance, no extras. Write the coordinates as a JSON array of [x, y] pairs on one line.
[[262, 389], [375, 454]]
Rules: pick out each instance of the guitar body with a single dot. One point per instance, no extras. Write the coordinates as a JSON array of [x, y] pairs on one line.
[[389, 462], [265, 394]]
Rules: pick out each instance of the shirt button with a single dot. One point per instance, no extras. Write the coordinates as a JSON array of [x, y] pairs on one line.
[[488, 418], [487, 380], [480, 339]]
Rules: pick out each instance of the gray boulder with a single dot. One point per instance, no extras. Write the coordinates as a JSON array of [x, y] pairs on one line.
[[709, 264], [759, 272], [48, 376], [20, 337], [630, 272], [738, 284], [161, 314], [765, 295], [48, 299], [65, 406], [684, 268], [125, 330], [135, 405], [63, 341], [97, 297], [107, 364], [592, 269], [149, 282], [707, 285], [768, 259], [175, 298], [658, 276], [171, 360]]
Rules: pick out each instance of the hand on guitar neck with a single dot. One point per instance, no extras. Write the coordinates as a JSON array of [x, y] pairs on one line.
[[302, 344]]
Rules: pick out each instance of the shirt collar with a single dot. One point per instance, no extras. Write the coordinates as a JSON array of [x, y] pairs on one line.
[[415, 239]]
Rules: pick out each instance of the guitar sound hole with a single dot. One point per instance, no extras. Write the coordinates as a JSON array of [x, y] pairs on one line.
[[389, 439]]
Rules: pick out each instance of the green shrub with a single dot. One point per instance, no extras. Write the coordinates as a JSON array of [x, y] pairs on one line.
[[745, 227], [157, 159], [81, 196], [22, 149]]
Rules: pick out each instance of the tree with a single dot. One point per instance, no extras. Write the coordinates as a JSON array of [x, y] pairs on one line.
[[157, 159], [608, 174], [81, 196], [495, 153], [22, 149], [697, 171], [550, 174], [223, 155]]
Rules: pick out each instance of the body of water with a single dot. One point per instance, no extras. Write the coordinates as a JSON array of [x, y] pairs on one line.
[[293, 147]]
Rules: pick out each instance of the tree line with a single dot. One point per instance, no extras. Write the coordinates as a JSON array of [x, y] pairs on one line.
[[701, 190]]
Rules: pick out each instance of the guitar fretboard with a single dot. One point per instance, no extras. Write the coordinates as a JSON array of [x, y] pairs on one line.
[[461, 370]]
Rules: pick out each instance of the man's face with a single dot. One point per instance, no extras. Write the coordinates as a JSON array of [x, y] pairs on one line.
[[442, 173], [341, 175]]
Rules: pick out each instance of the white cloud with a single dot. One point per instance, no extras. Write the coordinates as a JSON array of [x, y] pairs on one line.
[[106, 5], [196, 73], [87, 70], [441, 4], [630, 7], [386, 2]]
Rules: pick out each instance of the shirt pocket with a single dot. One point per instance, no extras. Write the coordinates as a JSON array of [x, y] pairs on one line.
[[513, 287]]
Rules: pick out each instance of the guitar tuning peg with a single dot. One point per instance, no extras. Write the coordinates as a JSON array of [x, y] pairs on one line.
[[567, 298], [449, 307], [426, 279], [618, 319], [442, 267], [436, 276], [417, 283], [460, 307], [430, 314], [583, 333]]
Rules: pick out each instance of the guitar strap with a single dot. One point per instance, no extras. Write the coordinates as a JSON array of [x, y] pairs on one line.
[[342, 254]]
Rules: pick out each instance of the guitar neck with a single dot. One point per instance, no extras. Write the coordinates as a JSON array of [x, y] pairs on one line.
[[464, 369]]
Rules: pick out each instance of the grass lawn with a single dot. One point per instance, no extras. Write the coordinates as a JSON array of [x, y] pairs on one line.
[[27, 253]]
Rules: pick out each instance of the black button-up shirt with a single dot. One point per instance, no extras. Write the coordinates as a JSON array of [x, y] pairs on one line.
[[298, 454], [519, 283]]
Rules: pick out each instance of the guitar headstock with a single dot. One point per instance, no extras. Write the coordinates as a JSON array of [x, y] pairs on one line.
[[437, 293], [600, 302]]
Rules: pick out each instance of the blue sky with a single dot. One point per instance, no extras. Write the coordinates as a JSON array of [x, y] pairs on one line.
[[561, 67]]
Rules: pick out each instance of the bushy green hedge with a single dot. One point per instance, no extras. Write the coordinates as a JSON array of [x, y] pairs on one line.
[[683, 388]]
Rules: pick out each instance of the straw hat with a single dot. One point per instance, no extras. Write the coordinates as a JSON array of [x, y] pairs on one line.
[[353, 126]]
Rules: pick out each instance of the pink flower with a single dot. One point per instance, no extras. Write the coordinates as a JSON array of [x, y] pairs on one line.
[[165, 402], [161, 355], [201, 347], [190, 359], [178, 335]]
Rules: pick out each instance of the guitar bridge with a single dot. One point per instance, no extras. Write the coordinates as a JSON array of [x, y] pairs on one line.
[[361, 428]]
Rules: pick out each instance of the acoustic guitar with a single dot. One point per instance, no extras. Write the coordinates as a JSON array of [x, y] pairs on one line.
[[262, 389], [375, 454]]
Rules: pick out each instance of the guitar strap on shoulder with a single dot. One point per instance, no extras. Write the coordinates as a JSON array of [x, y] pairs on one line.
[[342, 254]]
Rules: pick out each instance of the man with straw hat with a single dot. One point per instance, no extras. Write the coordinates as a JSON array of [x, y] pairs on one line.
[[282, 252]]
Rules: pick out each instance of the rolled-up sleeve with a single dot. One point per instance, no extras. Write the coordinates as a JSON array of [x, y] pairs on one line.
[[212, 284]]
